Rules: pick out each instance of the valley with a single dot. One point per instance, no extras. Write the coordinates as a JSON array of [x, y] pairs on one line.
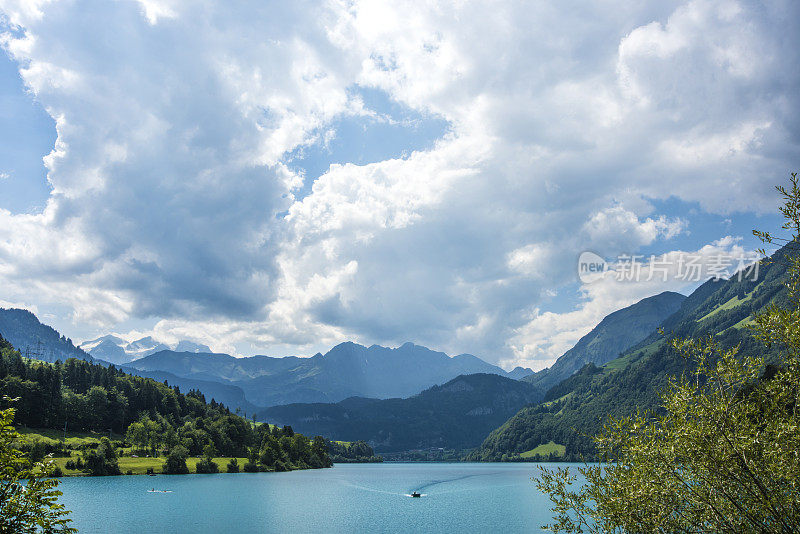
[[412, 398]]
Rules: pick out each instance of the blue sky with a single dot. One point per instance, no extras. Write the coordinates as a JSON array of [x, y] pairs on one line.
[[27, 133], [272, 178], [395, 131]]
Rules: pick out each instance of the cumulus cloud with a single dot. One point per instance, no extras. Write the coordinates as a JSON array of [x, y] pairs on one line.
[[616, 229], [172, 199], [547, 335], [166, 173]]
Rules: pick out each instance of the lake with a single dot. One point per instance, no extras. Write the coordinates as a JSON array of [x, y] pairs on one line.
[[369, 498]]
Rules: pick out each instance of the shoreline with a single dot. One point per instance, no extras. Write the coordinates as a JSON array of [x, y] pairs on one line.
[[139, 467]]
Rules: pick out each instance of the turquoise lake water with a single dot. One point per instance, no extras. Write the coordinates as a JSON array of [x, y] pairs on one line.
[[368, 498]]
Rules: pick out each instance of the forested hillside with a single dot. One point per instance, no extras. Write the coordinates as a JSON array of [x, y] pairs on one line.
[[576, 409], [355, 452], [24, 331], [153, 415]]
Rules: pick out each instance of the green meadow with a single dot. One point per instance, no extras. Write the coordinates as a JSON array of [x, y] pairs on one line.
[[544, 450], [139, 466]]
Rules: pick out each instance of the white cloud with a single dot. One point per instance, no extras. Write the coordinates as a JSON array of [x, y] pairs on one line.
[[155, 10], [546, 335], [20, 305], [616, 230], [172, 201]]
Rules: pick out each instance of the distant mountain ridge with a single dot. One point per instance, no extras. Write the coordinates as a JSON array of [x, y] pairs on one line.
[[455, 415], [36, 340], [347, 370], [116, 350], [519, 373], [616, 333]]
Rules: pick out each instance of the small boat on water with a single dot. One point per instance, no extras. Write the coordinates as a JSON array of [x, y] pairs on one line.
[[416, 494]]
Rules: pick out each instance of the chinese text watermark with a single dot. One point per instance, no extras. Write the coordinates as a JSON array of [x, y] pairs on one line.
[[684, 267]]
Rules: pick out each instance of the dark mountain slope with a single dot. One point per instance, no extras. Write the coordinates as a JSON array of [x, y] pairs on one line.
[[456, 415], [23, 330], [576, 409], [616, 333]]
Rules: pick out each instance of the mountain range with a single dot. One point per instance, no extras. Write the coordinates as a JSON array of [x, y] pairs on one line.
[[113, 349], [461, 411], [576, 408], [386, 396], [414, 397], [347, 370]]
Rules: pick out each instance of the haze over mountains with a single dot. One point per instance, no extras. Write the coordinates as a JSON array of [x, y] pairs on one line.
[[347, 370]]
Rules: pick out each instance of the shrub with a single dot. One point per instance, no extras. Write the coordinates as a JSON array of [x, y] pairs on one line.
[[102, 460], [29, 496], [233, 466], [250, 467], [176, 461], [280, 466], [206, 466]]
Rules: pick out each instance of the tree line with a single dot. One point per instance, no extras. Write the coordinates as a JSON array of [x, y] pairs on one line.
[[155, 418]]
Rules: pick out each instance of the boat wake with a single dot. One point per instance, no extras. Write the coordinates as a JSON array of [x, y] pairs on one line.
[[373, 490], [158, 491], [444, 481]]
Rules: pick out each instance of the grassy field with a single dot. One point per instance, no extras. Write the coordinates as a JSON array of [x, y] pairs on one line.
[[136, 465], [729, 305], [74, 439], [139, 466], [744, 322], [545, 449], [560, 399], [623, 361]]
